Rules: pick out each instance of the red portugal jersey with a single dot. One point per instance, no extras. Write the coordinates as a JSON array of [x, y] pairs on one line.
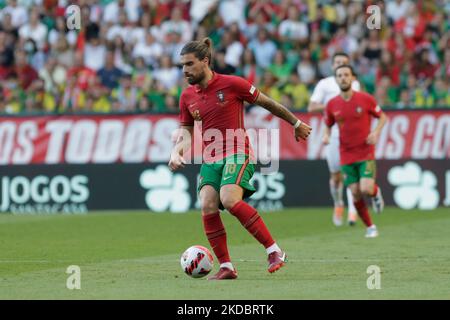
[[354, 119], [220, 109]]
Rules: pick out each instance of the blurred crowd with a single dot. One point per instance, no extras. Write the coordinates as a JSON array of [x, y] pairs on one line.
[[125, 55]]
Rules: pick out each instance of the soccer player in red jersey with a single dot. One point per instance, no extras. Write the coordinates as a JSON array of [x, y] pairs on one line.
[[353, 112], [325, 90], [218, 102]]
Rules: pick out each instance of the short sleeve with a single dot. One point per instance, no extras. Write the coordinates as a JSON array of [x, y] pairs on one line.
[[318, 94], [374, 108], [329, 117], [245, 90], [186, 118]]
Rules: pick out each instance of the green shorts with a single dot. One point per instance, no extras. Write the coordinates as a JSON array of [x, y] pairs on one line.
[[353, 172], [235, 169]]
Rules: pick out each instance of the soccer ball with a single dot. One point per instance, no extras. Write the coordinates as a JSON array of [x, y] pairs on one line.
[[197, 261]]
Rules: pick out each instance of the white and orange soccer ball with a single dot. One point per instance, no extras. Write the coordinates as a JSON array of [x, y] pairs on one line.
[[197, 261]]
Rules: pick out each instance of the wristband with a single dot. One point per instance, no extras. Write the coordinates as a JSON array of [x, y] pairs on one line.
[[298, 124]]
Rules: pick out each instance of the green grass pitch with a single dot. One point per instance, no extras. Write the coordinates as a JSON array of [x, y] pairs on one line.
[[135, 255]]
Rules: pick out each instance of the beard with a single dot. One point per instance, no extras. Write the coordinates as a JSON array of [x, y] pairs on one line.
[[345, 87], [192, 80]]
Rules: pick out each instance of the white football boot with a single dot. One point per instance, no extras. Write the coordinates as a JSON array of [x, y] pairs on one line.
[[372, 232]]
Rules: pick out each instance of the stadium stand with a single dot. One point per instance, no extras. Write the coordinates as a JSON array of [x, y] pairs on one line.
[[125, 56]]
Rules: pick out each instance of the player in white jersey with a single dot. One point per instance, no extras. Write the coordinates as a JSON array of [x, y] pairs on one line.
[[325, 90]]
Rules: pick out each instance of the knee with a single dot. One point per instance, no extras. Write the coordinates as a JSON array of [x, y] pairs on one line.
[[357, 195], [228, 201], [209, 206], [366, 190], [336, 178]]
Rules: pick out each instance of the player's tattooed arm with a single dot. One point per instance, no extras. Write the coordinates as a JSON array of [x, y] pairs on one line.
[[183, 143], [302, 130], [276, 108]]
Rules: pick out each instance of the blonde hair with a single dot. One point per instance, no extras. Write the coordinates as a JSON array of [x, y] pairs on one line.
[[200, 49]]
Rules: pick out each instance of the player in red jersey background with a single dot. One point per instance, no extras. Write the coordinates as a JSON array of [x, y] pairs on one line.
[[353, 112]]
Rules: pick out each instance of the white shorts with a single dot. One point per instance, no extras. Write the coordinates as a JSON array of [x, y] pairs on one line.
[[332, 155]]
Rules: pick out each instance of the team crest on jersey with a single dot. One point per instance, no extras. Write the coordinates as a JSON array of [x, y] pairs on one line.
[[359, 110], [221, 98], [196, 115]]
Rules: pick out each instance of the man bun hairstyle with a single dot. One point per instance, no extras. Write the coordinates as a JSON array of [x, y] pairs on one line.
[[200, 49]]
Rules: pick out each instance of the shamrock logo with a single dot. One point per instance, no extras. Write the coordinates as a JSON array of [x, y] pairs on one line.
[[166, 191], [414, 187]]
